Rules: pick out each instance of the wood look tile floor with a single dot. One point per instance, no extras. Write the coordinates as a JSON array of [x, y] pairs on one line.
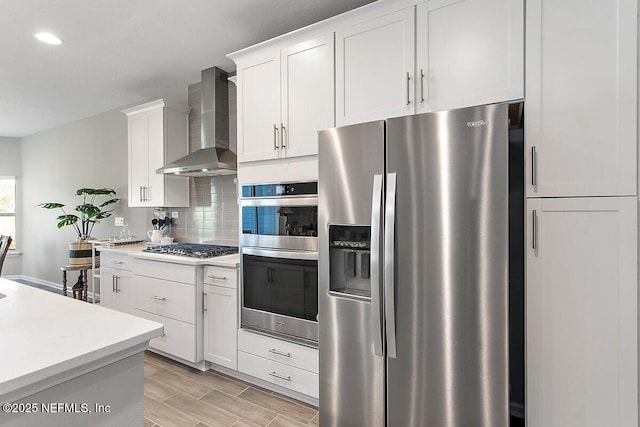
[[176, 395]]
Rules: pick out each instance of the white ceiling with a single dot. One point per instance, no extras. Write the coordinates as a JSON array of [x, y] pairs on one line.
[[118, 52]]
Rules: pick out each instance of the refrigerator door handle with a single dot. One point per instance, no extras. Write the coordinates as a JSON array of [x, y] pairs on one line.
[[389, 265], [376, 306]]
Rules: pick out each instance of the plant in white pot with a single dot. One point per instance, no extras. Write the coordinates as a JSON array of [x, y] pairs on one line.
[[89, 214]]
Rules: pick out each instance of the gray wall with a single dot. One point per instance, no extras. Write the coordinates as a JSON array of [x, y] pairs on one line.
[[11, 165], [87, 153]]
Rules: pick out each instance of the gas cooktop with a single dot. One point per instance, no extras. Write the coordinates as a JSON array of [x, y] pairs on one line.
[[193, 250]]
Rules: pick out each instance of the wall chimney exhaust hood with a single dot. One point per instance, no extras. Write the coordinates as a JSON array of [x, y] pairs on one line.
[[214, 158]]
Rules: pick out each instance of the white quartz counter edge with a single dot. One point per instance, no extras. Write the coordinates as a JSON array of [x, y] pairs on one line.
[[44, 335], [135, 251]]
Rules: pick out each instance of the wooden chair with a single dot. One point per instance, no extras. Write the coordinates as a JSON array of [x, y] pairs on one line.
[[5, 242]]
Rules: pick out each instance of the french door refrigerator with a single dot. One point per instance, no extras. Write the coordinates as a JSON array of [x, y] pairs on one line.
[[413, 280]]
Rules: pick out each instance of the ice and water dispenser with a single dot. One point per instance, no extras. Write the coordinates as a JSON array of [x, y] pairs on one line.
[[350, 260]]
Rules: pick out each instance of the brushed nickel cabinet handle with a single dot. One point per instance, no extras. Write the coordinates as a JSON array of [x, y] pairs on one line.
[[275, 137], [421, 86], [408, 84], [534, 229], [217, 277], [282, 136], [534, 175], [204, 302], [141, 193], [282, 377], [158, 298], [279, 353]]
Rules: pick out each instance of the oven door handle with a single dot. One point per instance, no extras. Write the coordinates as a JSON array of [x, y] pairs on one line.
[[277, 201], [303, 255]]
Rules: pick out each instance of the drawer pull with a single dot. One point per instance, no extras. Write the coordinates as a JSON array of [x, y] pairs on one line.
[[158, 298], [116, 262], [282, 377], [280, 353], [217, 277]]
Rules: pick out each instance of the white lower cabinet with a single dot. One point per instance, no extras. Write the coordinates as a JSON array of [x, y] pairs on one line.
[[286, 364], [115, 282], [298, 380], [582, 318], [221, 316], [168, 293], [179, 338]]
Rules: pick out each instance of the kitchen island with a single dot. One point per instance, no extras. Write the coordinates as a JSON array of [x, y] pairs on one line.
[[66, 362]]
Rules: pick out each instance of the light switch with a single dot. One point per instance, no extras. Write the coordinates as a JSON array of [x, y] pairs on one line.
[[174, 214], [119, 221]]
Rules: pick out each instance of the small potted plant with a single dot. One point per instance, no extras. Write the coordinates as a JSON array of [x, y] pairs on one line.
[[89, 215]]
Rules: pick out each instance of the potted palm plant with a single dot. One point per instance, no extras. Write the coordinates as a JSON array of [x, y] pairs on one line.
[[89, 214]]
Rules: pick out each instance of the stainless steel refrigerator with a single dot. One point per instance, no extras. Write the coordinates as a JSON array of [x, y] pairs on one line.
[[413, 280]]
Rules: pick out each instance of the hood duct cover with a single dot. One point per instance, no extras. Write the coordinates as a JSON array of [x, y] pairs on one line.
[[214, 158]]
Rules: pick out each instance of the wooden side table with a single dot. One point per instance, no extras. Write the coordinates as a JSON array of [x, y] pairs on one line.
[[82, 293]]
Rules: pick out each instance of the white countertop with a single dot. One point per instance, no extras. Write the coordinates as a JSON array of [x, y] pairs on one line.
[[43, 334], [135, 251]]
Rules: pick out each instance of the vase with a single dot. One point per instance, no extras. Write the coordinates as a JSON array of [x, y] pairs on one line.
[[80, 253]]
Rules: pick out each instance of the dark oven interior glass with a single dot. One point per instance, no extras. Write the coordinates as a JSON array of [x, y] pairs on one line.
[[283, 286], [280, 220]]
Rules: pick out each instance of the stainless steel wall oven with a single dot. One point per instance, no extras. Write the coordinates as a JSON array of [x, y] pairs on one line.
[[279, 260]]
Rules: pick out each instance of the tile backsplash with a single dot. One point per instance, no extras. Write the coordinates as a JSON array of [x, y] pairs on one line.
[[212, 216]]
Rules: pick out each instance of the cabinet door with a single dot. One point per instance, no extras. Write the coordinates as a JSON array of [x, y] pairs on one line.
[[259, 108], [108, 296], [154, 195], [375, 65], [115, 289], [581, 97], [221, 326], [307, 99], [138, 158], [469, 52], [123, 291], [582, 312]]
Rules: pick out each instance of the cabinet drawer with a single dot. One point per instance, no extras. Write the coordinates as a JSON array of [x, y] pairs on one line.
[[179, 338], [299, 380], [277, 350], [220, 276], [165, 298], [115, 260], [164, 270]]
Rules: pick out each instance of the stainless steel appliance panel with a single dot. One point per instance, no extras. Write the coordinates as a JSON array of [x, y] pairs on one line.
[[451, 269], [352, 386], [279, 293]]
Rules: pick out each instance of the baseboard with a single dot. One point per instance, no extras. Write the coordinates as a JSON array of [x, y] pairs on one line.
[[42, 282], [35, 280]]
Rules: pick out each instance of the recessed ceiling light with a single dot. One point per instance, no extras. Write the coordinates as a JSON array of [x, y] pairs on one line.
[[48, 38]]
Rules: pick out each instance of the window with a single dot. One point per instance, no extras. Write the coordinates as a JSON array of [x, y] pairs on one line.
[[8, 207]]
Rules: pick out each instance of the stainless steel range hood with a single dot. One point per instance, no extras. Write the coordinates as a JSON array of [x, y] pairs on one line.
[[214, 158]]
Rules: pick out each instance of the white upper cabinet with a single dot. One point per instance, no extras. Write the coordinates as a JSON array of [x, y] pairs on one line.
[[581, 102], [157, 135], [375, 68], [442, 54], [285, 96], [307, 87], [582, 324], [259, 107], [469, 52]]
